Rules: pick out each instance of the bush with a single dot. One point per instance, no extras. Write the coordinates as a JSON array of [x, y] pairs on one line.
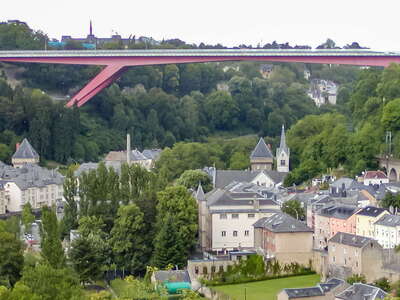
[[356, 278], [383, 283]]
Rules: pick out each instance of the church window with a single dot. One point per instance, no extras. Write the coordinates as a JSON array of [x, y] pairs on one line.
[[223, 233], [234, 233], [283, 162], [246, 233]]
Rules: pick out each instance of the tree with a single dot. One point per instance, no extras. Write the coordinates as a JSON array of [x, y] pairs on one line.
[[383, 283], [52, 284], [191, 179], [169, 246], [52, 250], [11, 258], [294, 209], [391, 115], [128, 239], [70, 219], [86, 259], [27, 217]]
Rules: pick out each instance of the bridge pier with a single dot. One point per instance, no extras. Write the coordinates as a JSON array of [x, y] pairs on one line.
[[391, 167]]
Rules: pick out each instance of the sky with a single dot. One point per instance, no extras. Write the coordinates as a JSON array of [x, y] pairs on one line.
[[304, 22]]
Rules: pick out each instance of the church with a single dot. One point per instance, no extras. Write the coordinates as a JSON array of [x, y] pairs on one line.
[[261, 167]]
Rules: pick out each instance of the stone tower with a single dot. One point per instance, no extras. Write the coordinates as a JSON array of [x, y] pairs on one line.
[[282, 154], [261, 158]]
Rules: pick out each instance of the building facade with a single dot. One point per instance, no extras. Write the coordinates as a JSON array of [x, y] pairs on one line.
[[24, 154], [282, 154], [366, 218], [387, 231]]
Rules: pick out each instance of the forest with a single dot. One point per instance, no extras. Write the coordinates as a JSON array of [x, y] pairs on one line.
[[204, 105]]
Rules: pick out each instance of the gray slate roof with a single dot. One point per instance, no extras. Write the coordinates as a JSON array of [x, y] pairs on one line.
[[152, 153], [199, 195], [360, 291], [261, 150], [281, 222], [25, 151], [225, 177], [350, 240], [389, 220], [319, 290], [371, 211], [172, 276], [338, 211]]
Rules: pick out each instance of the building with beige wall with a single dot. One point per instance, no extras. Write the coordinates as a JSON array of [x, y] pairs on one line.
[[387, 230], [284, 238], [24, 154], [350, 254], [3, 199], [366, 218], [261, 158]]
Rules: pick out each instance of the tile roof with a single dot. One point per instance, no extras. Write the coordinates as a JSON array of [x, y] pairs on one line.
[[350, 239], [281, 222], [225, 177], [261, 150], [152, 153], [199, 195], [371, 211], [25, 151], [375, 175], [360, 291], [389, 220]]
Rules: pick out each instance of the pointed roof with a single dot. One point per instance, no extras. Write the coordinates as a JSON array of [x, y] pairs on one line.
[[200, 196], [283, 139], [261, 150], [25, 150]]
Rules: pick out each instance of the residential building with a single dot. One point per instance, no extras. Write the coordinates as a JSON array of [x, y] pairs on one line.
[[282, 154], [284, 238], [366, 218], [387, 230], [375, 177], [227, 215], [266, 70], [350, 254], [261, 158], [3, 199], [361, 291], [323, 92], [332, 219], [24, 154], [322, 291], [30, 183]]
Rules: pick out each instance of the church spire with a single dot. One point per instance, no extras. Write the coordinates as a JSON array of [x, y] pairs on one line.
[[283, 154], [283, 139], [91, 29]]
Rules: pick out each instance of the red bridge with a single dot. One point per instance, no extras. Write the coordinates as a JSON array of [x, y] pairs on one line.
[[116, 61]]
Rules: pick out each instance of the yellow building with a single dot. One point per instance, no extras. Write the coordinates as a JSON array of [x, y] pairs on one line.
[[366, 218]]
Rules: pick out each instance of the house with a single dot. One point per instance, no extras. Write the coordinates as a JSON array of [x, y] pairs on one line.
[[226, 215], [350, 254], [361, 291], [323, 92], [24, 154], [366, 218], [284, 238], [30, 183], [387, 230], [261, 158], [375, 177], [332, 219], [322, 291], [266, 70]]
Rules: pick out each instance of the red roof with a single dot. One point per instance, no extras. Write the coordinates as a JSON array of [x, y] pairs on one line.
[[375, 175]]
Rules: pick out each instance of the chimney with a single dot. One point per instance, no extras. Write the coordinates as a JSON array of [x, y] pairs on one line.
[[17, 146], [269, 146], [128, 148]]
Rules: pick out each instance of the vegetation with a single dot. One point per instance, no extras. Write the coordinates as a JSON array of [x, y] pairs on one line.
[[266, 289], [294, 209], [356, 278]]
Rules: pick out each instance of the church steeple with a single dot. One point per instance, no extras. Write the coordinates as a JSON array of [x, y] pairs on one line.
[[91, 29], [283, 154]]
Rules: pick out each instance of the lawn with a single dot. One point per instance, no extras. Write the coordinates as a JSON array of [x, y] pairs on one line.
[[267, 289]]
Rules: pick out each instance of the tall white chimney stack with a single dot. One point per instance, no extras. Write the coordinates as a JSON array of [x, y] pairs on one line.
[[128, 148]]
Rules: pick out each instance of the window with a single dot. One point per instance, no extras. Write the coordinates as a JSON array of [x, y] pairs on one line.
[[250, 216], [223, 216], [334, 259], [283, 162], [223, 233], [246, 233], [234, 233], [235, 216]]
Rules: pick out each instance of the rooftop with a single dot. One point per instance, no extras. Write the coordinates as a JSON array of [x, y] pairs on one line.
[[338, 211], [261, 150], [375, 175], [350, 240], [25, 151], [360, 291], [389, 220], [371, 211], [319, 290], [281, 222]]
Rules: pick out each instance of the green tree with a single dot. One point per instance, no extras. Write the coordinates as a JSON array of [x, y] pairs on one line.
[[294, 209], [383, 283], [128, 239], [27, 217], [191, 179], [239, 161], [11, 258], [391, 115], [52, 250], [70, 219]]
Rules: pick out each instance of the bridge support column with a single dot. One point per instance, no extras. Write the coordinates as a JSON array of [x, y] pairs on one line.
[[107, 76]]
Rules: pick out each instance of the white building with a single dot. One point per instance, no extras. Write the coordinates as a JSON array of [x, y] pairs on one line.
[[375, 177], [282, 154], [387, 231], [227, 215], [30, 183], [323, 92]]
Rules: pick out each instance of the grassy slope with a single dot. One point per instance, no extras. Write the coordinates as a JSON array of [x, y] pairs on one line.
[[267, 289]]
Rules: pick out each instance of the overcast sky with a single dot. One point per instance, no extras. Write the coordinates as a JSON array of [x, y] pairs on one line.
[[372, 23]]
